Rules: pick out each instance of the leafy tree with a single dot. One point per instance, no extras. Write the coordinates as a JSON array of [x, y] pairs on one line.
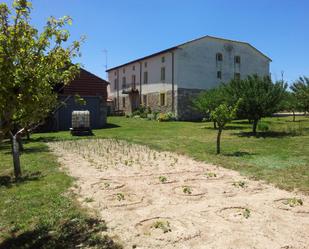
[[301, 90], [32, 64], [222, 115], [209, 100], [260, 97], [290, 103]]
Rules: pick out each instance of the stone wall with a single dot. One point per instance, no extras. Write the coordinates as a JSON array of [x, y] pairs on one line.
[[153, 101], [185, 110]]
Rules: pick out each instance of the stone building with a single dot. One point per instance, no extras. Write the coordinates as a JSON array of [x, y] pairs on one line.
[[168, 80]]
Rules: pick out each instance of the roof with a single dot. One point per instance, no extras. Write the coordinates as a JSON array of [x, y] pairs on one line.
[[177, 46], [95, 76]]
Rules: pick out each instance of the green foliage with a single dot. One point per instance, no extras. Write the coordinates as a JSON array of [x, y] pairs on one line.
[[163, 225], [263, 127], [260, 97], [142, 112], [120, 196], [224, 114], [32, 65], [301, 90], [187, 190], [165, 117], [209, 100], [241, 184], [246, 213], [293, 202], [162, 179]]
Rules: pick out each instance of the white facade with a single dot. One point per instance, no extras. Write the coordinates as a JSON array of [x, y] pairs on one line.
[[192, 65]]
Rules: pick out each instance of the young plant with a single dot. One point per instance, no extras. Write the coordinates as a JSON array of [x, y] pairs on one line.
[[246, 213], [162, 179], [89, 199], [120, 196], [106, 185], [241, 184], [292, 202], [163, 225], [187, 190], [211, 174]]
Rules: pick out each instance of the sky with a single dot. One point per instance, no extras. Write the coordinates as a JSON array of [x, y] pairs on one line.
[[129, 29]]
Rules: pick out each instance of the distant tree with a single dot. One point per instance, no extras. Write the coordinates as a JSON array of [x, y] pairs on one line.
[[31, 66], [290, 103], [209, 100], [260, 97], [301, 90], [222, 115]]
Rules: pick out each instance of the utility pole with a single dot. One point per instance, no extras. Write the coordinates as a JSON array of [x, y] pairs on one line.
[[105, 52]]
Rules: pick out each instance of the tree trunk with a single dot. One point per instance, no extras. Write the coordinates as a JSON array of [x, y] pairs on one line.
[[215, 125], [219, 140], [293, 116], [255, 122], [16, 159], [20, 143]]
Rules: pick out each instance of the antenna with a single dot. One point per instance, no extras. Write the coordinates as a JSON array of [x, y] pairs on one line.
[[282, 74], [105, 52]]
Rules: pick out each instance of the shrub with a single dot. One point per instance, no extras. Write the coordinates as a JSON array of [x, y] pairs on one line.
[[263, 127], [164, 117]]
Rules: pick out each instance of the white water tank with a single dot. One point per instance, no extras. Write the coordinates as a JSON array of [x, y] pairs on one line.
[[81, 119]]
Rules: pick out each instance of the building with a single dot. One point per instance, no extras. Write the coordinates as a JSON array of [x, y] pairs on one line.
[[90, 88], [167, 81]]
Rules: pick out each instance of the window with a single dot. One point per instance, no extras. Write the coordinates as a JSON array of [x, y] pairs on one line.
[[145, 100], [162, 99], [115, 83], [219, 75], [237, 76], [115, 73], [133, 79], [162, 74], [219, 57], [124, 102], [124, 83], [133, 68], [124, 70], [145, 64], [145, 77], [162, 59], [237, 59]]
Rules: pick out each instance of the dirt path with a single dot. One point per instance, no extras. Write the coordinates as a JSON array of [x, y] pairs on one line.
[[163, 200]]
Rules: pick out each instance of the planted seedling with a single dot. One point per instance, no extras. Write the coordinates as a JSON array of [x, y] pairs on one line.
[[163, 225], [187, 190], [292, 202], [246, 213], [120, 196], [89, 199], [211, 174], [241, 184], [106, 185], [162, 179]]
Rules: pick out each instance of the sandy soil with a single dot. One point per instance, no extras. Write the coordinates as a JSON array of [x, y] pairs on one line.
[[163, 200]]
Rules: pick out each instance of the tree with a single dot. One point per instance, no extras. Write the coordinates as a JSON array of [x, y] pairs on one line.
[[222, 115], [32, 64], [209, 100], [290, 103], [260, 97], [301, 90]]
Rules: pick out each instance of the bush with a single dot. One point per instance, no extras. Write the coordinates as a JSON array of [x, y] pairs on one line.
[[142, 112], [164, 117], [263, 127]]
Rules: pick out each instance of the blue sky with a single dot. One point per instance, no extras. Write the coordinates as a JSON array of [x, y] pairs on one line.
[[129, 29]]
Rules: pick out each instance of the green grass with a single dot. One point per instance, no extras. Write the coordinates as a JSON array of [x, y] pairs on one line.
[[38, 211], [279, 156]]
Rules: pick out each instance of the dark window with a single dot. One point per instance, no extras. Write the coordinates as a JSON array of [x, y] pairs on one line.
[[162, 99], [115, 73], [237, 76], [133, 68], [115, 84], [133, 80], [163, 59], [123, 102], [145, 64], [219, 74], [219, 57], [237, 59], [124, 82], [124, 70], [145, 77], [162, 74]]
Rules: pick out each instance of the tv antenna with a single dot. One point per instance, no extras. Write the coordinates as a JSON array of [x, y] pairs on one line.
[[105, 52]]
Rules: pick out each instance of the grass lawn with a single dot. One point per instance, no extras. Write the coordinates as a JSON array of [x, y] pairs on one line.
[[279, 156], [38, 211]]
